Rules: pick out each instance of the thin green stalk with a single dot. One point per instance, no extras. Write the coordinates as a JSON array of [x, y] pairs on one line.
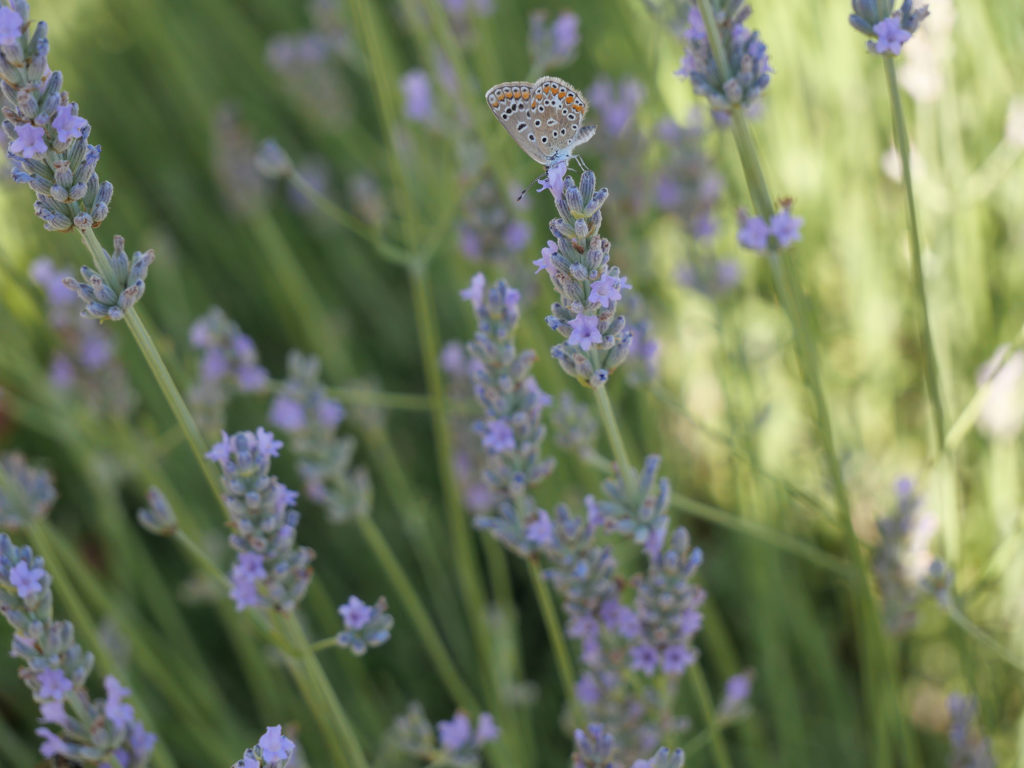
[[618, 445], [341, 732], [156, 365], [444, 665], [556, 636], [467, 569], [931, 371]]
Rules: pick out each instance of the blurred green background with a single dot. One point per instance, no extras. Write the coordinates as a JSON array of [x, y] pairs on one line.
[[179, 93]]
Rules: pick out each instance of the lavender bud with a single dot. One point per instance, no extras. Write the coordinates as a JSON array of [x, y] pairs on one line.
[[366, 626], [158, 518], [273, 750], [109, 301], [27, 493]]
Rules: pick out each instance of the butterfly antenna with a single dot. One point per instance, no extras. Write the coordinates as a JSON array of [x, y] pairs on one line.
[[535, 181]]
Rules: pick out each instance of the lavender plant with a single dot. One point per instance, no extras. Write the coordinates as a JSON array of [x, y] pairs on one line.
[[75, 726], [269, 571], [303, 411]]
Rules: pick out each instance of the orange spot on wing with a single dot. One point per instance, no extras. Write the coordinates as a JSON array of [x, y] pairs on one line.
[[570, 99]]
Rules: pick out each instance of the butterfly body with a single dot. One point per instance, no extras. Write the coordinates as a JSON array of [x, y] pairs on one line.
[[545, 118]]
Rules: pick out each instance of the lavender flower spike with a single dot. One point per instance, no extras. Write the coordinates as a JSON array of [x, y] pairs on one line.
[[158, 518], [511, 432], [48, 142], [27, 493], [109, 301], [75, 727], [749, 72], [597, 341], [458, 742], [269, 571], [366, 626], [273, 750], [303, 410]]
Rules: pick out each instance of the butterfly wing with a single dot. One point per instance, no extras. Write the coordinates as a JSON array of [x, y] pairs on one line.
[[510, 104]]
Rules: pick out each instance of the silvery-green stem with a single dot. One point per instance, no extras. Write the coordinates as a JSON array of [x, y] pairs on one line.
[[931, 371], [159, 370]]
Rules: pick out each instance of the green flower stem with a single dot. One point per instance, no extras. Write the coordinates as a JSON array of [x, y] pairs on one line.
[[556, 636], [625, 467], [931, 371], [422, 623], [339, 731], [467, 570], [84, 623], [159, 369], [983, 638]]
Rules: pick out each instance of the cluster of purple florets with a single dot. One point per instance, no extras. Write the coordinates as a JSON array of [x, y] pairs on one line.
[[628, 629], [73, 726], [273, 750], [781, 231], [888, 29], [457, 742], [512, 431], [589, 288], [47, 139], [366, 626], [270, 571], [747, 60], [596, 747]]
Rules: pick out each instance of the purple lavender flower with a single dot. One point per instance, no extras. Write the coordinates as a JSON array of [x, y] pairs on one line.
[[366, 626], [876, 19], [735, 702], [48, 143], [781, 232], [490, 230], [310, 418], [68, 124], [498, 436], [753, 232], [28, 141], [11, 25], [749, 71], [273, 750], [275, 746], [474, 293], [269, 570], [890, 37], [56, 669], [461, 741]]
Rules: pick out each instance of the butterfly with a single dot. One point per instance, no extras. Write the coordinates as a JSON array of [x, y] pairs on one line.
[[545, 118]]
